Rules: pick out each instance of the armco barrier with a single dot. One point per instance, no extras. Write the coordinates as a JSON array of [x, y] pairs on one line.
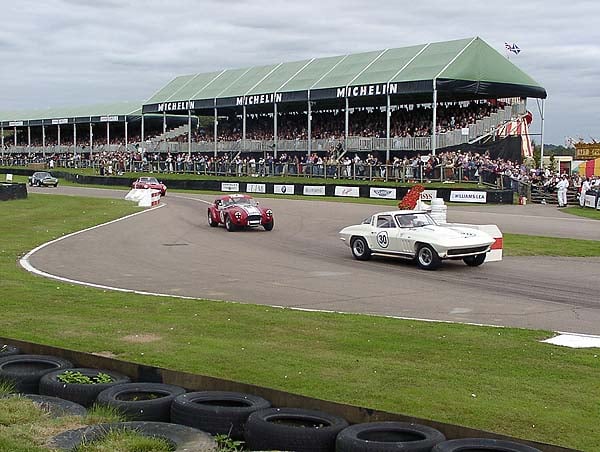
[[195, 382], [12, 191], [492, 196]]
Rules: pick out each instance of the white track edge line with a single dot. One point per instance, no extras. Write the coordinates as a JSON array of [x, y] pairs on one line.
[[24, 262]]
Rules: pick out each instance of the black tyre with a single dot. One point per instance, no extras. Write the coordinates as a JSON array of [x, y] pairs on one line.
[[56, 185], [388, 437], [474, 261], [292, 429], [55, 406], [84, 394], [141, 401], [181, 437], [427, 258], [360, 249], [269, 226], [229, 224], [212, 223], [8, 350], [480, 444], [216, 412], [25, 371]]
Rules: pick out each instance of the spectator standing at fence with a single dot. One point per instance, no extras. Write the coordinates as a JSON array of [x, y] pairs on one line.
[[585, 186], [562, 186]]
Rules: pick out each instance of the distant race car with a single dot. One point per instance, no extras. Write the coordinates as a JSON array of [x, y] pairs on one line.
[[150, 182], [415, 235], [42, 179], [238, 211]]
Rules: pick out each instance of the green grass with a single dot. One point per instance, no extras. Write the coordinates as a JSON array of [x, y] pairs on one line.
[[530, 245], [585, 212], [500, 380]]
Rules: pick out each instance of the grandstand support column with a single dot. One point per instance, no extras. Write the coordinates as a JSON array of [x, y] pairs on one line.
[[215, 130], [58, 136], [126, 135], [15, 136], [275, 130], [346, 120], [43, 140], [541, 108], [74, 138], [142, 136], [189, 132], [434, 124], [107, 135], [164, 126], [2, 138], [29, 136], [243, 127], [309, 131], [91, 138], [388, 115]]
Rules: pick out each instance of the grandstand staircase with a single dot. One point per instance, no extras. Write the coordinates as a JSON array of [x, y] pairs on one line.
[[170, 134], [539, 196]]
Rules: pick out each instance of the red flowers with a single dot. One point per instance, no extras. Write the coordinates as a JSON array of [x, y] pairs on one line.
[[410, 199]]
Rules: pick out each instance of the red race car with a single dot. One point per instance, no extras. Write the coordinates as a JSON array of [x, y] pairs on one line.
[[238, 211], [150, 182]]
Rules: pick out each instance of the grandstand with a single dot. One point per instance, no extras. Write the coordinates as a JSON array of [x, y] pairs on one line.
[[421, 98]]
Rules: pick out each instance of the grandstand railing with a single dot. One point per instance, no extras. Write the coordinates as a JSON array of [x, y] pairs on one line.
[[354, 171]]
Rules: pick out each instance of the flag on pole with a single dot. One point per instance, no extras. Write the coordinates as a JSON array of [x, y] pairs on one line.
[[512, 47]]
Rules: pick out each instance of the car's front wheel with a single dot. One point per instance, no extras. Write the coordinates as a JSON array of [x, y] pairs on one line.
[[269, 226], [212, 223], [229, 224], [428, 258], [474, 261], [360, 249]]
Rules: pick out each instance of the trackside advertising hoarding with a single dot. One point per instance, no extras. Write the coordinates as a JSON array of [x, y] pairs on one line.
[[230, 186], [256, 188], [283, 189], [351, 192], [428, 195], [382, 193], [468, 196], [314, 190]]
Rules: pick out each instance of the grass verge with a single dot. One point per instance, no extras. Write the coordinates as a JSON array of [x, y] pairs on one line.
[[496, 379], [583, 212]]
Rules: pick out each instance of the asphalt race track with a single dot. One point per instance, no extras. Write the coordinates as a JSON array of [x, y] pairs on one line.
[[303, 264]]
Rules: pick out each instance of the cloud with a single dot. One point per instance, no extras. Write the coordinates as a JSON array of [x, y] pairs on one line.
[[66, 51]]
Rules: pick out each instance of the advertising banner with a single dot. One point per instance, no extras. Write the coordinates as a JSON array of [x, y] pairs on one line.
[[314, 190], [283, 189], [468, 196], [230, 186], [256, 188], [351, 192], [428, 195], [383, 193]]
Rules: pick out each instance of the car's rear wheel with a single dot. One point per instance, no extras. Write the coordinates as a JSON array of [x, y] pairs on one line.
[[360, 249], [427, 258], [229, 224], [474, 261], [212, 223]]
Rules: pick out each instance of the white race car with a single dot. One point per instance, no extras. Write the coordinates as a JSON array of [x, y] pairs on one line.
[[415, 235]]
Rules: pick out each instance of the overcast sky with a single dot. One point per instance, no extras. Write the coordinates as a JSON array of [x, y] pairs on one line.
[[78, 52]]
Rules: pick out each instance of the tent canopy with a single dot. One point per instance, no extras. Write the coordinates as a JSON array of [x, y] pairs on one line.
[[464, 69]]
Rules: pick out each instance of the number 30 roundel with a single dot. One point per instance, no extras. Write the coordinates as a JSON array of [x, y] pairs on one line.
[[382, 239]]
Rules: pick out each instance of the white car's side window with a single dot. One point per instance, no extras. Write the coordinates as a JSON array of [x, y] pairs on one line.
[[385, 221]]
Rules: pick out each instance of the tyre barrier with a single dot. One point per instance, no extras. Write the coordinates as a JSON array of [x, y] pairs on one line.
[[55, 406], [388, 437], [482, 444], [141, 401], [181, 437], [84, 394], [25, 371], [8, 350], [216, 412], [292, 429]]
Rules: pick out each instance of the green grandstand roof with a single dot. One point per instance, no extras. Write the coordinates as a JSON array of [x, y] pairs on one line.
[[119, 109], [461, 69]]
